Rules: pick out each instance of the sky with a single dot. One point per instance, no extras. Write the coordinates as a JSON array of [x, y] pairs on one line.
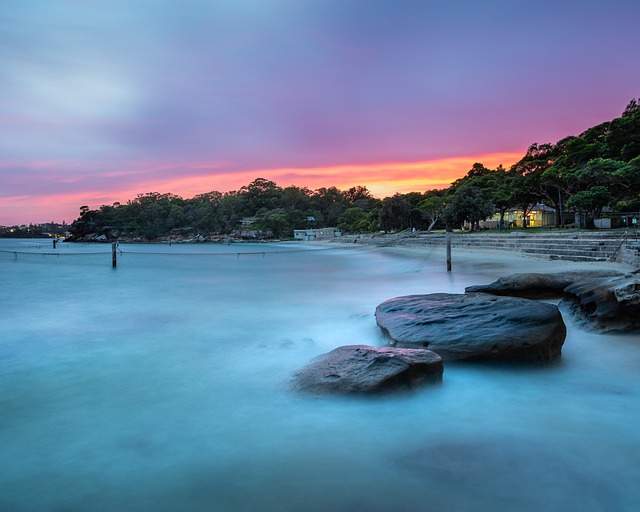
[[102, 100]]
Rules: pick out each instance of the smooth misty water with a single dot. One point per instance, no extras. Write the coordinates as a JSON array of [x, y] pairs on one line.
[[162, 386]]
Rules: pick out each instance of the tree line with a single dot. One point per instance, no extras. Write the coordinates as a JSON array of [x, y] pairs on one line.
[[596, 170]]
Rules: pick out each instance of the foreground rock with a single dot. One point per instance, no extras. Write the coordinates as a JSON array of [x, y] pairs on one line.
[[607, 303], [601, 300], [365, 369], [474, 326], [538, 286]]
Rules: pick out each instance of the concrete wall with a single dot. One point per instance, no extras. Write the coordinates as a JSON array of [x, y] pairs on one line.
[[630, 254]]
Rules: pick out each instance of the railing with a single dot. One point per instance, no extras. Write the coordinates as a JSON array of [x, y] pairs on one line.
[[621, 242]]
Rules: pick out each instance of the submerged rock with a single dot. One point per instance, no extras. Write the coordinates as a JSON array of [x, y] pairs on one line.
[[513, 468], [365, 369], [538, 286], [474, 326], [606, 304]]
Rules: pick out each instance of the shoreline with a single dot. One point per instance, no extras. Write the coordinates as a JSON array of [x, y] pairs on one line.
[[511, 262]]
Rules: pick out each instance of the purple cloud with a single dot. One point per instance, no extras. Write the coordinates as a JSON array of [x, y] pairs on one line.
[[90, 86]]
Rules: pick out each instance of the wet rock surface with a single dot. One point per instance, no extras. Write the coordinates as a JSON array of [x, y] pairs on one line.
[[474, 326], [605, 304], [366, 369], [533, 285], [600, 300]]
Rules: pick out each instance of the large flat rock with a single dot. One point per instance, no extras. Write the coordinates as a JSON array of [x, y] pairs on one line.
[[366, 369], [607, 303], [474, 326], [534, 285], [601, 300]]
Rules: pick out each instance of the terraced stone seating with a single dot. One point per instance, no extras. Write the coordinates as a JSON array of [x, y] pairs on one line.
[[579, 246]]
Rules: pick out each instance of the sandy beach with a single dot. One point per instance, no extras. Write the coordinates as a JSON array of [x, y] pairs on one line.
[[503, 262], [511, 261]]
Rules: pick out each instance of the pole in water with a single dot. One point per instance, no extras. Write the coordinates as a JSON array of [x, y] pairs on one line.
[[448, 252], [114, 258]]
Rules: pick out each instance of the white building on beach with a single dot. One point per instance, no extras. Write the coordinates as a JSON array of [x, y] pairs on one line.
[[316, 234]]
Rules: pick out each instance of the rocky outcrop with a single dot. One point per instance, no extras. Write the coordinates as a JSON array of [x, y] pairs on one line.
[[538, 286], [365, 369], [607, 303], [601, 300], [474, 326]]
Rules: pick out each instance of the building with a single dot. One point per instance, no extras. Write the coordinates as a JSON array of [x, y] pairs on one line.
[[253, 234], [540, 215], [316, 234], [247, 221]]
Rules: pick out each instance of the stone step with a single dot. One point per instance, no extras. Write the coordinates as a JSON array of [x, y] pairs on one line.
[[551, 247], [578, 247], [584, 251], [531, 244], [565, 251], [508, 240], [537, 242], [575, 258]]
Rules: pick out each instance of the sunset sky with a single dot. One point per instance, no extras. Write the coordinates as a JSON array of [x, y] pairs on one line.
[[103, 100]]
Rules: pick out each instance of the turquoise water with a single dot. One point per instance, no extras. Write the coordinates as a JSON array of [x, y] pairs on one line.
[[162, 385]]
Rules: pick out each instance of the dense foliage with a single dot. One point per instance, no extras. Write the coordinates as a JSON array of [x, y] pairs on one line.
[[261, 205], [597, 169]]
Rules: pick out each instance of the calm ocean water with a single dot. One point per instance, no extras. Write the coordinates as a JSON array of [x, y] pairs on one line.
[[161, 386]]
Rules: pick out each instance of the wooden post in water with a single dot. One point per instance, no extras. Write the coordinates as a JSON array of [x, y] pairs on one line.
[[114, 258], [448, 236]]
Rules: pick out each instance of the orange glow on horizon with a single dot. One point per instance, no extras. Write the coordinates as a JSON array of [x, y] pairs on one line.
[[382, 180]]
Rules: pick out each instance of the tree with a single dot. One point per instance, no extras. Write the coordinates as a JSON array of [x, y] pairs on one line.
[[590, 201], [354, 220], [526, 191], [358, 196], [328, 204], [230, 210], [501, 191], [467, 205], [361, 197], [432, 207], [260, 193], [87, 223], [296, 197], [623, 138], [598, 171], [394, 213], [627, 178], [275, 221]]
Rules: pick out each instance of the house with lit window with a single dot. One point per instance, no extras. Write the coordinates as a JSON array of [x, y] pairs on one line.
[[540, 215]]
